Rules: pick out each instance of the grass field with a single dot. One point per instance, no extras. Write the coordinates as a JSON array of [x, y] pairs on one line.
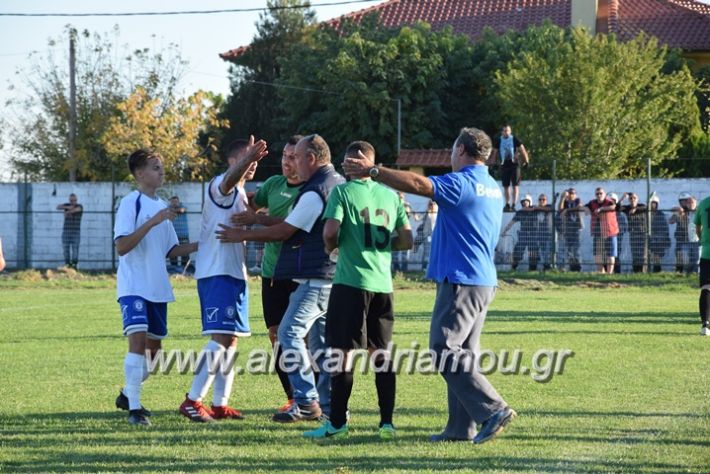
[[633, 398]]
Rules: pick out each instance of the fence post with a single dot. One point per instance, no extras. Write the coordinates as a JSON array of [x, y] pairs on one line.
[[553, 251], [113, 215], [649, 217], [26, 225]]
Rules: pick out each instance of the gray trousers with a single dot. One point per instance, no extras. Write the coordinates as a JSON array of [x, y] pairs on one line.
[[456, 325]]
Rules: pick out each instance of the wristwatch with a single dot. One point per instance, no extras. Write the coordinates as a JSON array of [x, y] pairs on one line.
[[374, 172]]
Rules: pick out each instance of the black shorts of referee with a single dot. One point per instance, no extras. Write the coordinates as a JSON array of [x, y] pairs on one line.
[[275, 295], [358, 319]]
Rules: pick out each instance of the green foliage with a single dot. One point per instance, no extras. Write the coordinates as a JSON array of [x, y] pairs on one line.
[[172, 127], [106, 74], [254, 106], [365, 68], [597, 106]]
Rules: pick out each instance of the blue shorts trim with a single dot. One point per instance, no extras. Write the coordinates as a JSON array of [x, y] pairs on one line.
[[141, 315], [224, 304]]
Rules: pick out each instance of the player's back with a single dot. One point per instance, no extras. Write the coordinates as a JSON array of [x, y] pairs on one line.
[[214, 257], [369, 213]]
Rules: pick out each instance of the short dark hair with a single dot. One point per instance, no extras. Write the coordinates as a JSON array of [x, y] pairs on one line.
[[72, 195], [317, 145], [294, 139], [139, 159], [174, 197], [360, 145], [235, 147], [476, 143]]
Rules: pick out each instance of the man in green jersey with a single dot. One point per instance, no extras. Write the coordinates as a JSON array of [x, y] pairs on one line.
[[361, 220], [702, 229], [276, 195]]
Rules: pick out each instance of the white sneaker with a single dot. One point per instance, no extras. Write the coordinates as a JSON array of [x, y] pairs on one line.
[[705, 331]]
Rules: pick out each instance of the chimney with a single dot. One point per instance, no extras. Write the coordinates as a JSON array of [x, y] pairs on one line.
[[584, 12]]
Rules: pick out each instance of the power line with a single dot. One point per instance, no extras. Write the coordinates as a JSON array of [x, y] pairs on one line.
[[189, 12]]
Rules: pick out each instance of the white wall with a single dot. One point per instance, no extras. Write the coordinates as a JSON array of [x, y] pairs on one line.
[[95, 251]]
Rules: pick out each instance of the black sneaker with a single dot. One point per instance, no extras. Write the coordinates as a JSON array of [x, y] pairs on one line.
[[506, 208], [122, 404], [494, 425], [136, 417], [298, 412]]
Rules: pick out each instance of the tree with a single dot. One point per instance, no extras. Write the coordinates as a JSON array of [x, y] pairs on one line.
[[171, 127], [254, 106], [106, 74], [598, 106], [365, 68]]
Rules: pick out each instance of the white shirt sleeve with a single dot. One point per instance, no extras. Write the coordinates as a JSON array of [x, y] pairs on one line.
[[172, 238], [125, 218], [216, 193], [306, 212]]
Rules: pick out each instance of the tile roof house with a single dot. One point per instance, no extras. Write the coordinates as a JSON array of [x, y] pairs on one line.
[[683, 24]]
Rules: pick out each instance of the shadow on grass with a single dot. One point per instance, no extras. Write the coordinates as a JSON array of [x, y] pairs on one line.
[[577, 317], [316, 462]]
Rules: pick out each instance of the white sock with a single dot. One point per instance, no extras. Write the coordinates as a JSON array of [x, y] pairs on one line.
[[223, 382], [133, 366], [203, 378]]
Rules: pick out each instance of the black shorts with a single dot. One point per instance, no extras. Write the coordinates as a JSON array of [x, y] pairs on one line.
[[275, 295], [510, 174], [704, 272], [358, 319]]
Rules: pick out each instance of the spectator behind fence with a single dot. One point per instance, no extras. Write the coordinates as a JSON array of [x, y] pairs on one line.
[[660, 240], [71, 234], [181, 228], [527, 234], [543, 231], [635, 213], [428, 226], [513, 155], [686, 241], [571, 224], [623, 230], [400, 258], [605, 230]]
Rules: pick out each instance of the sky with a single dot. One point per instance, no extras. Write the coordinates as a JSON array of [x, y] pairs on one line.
[[201, 37]]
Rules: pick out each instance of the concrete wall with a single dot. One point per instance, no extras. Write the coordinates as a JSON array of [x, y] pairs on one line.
[[44, 223]]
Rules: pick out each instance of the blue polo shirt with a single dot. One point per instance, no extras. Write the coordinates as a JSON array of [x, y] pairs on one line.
[[467, 227]]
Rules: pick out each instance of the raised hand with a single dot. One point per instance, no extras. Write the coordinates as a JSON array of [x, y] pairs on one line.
[[164, 214]]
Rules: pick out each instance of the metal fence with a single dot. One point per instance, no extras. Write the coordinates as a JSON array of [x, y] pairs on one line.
[[539, 239]]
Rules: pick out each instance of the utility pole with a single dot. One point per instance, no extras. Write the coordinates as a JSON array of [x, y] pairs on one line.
[[72, 105]]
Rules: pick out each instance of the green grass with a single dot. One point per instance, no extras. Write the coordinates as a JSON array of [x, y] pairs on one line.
[[634, 398]]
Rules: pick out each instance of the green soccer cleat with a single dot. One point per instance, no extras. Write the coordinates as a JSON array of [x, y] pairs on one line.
[[387, 432], [326, 430]]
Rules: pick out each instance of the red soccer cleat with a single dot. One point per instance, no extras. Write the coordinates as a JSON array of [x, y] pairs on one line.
[[196, 411], [221, 413], [286, 406]]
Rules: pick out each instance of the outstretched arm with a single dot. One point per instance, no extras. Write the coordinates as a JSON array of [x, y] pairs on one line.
[[182, 250], [400, 180], [275, 233]]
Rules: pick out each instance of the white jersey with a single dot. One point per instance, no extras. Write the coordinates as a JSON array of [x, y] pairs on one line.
[[142, 271], [214, 257]]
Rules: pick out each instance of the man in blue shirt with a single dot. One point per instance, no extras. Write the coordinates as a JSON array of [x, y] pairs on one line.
[[462, 250]]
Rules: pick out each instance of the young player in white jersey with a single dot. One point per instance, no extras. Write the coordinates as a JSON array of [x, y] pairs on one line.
[[144, 237], [221, 285]]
